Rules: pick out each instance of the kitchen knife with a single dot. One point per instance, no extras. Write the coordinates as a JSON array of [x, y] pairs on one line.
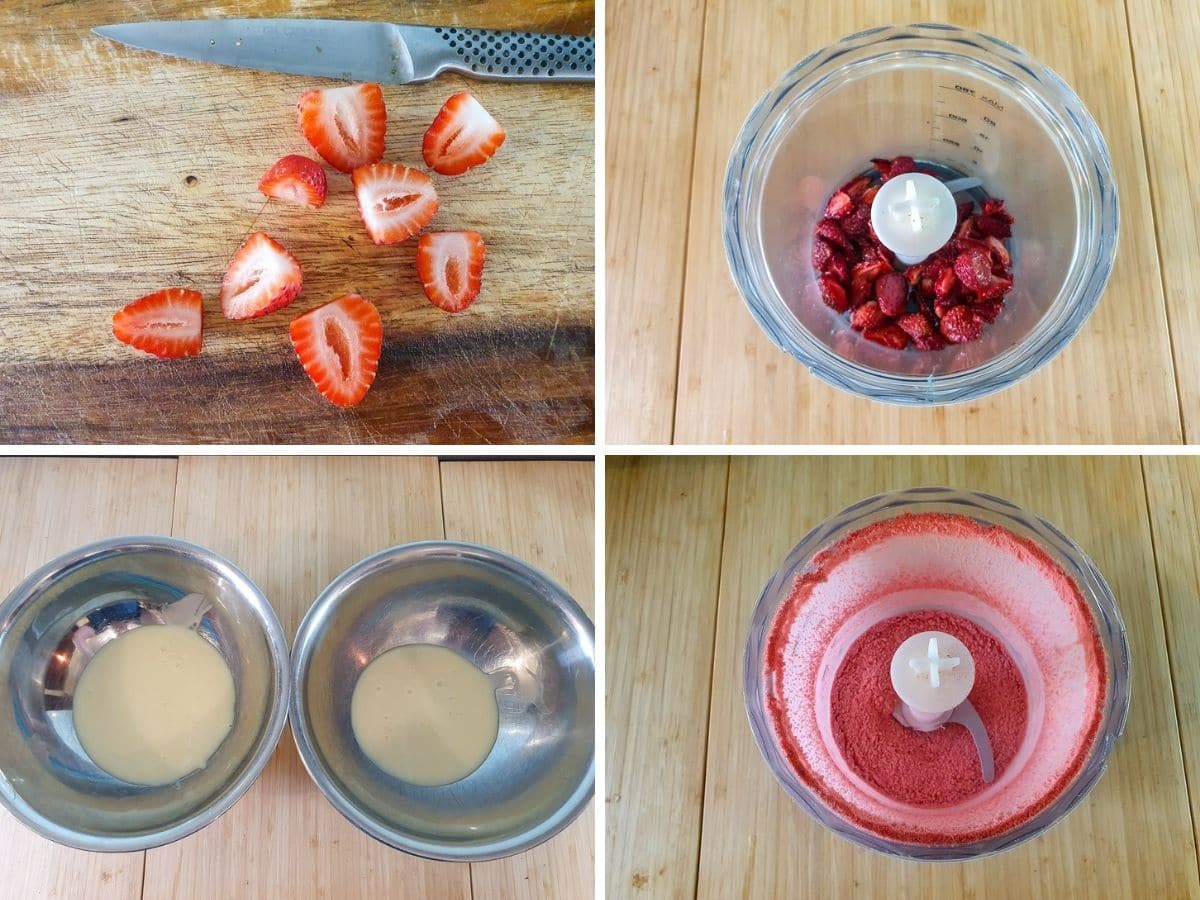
[[365, 51]]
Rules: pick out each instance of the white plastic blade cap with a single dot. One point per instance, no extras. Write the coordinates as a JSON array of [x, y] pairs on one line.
[[932, 672], [914, 215]]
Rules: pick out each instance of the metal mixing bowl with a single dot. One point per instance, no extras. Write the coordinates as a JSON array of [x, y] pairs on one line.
[[510, 621], [50, 628]]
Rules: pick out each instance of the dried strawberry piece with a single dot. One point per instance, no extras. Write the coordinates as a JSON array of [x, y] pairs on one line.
[[840, 205], [946, 284], [988, 311], [945, 304], [993, 226], [926, 305], [959, 325], [933, 342], [916, 325], [902, 165], [868, 315], [973, 266], [862, 280], [874, 256], [999, 252], [965, 209], [890, 168], [821, 254], [888, 335], [913, 273], [878, 245], [1000, 286], [891, 292], [868, 196], [855, 187], [837, 267], [994, 206], [994, 220], [830, 231], [858, 222], [833, 294]]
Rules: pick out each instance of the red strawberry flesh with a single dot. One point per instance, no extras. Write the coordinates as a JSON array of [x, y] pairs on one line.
[[955, 292]]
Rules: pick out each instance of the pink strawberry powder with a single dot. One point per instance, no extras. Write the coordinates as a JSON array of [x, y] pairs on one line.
[[934, 768], [998, 592]]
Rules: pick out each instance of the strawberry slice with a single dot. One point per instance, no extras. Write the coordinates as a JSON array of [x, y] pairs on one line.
[[339, 344], [346, 125], [462, 136], [261, 278], [395, 201], [165, 323], [295, 179], [450, 264]]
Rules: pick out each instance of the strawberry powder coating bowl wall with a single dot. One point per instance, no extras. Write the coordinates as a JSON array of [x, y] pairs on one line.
[[1019, 579]]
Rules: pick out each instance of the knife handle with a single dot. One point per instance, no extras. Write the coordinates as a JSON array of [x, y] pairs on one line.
[[501, 55]]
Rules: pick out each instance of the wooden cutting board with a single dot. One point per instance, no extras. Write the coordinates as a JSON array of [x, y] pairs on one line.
[[127, 172]]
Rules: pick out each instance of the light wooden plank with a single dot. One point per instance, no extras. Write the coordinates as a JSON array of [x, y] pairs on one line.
[[1113, 384], [653, 70], [47, 507], [542, 512], [664, 524], [292, 524], [1166, 53], [1131, 836], [1173, 489]]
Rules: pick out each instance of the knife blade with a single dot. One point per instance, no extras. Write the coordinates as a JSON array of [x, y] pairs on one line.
[[365, 51]]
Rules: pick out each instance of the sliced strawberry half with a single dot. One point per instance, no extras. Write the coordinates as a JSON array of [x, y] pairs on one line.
[[339, 345], [395, 201], [462, 136], [165, 323], [261, 278], [295, 179], [450, 264], [346, 125]]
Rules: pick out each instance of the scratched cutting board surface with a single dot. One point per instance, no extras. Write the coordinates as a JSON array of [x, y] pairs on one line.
[[128, 172]]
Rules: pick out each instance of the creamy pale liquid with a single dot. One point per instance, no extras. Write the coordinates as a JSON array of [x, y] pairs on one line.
[[424, 714], [154, 704]]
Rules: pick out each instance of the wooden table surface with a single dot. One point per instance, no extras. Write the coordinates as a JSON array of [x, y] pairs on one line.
[[128, 172], [292, 524], [692, 809], [685, 360]]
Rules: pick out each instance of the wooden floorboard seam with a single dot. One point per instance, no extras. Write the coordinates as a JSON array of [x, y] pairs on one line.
[[687, 243], [712, 675], [1158, 252], [1170, 662]]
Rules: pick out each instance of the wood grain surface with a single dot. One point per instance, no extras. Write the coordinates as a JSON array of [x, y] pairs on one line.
[[717, 376], [1131, 837], [130, 172], [76, 501], [292, 524], [661, 585]]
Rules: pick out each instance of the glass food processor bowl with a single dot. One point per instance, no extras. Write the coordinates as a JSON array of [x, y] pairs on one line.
[[1084, 760], [960, 103]]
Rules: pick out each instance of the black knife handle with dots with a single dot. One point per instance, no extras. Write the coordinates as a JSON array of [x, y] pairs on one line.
[[502, 55]]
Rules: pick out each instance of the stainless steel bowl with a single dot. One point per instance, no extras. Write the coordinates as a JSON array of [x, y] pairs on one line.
[[50, 628], [512, 622]]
